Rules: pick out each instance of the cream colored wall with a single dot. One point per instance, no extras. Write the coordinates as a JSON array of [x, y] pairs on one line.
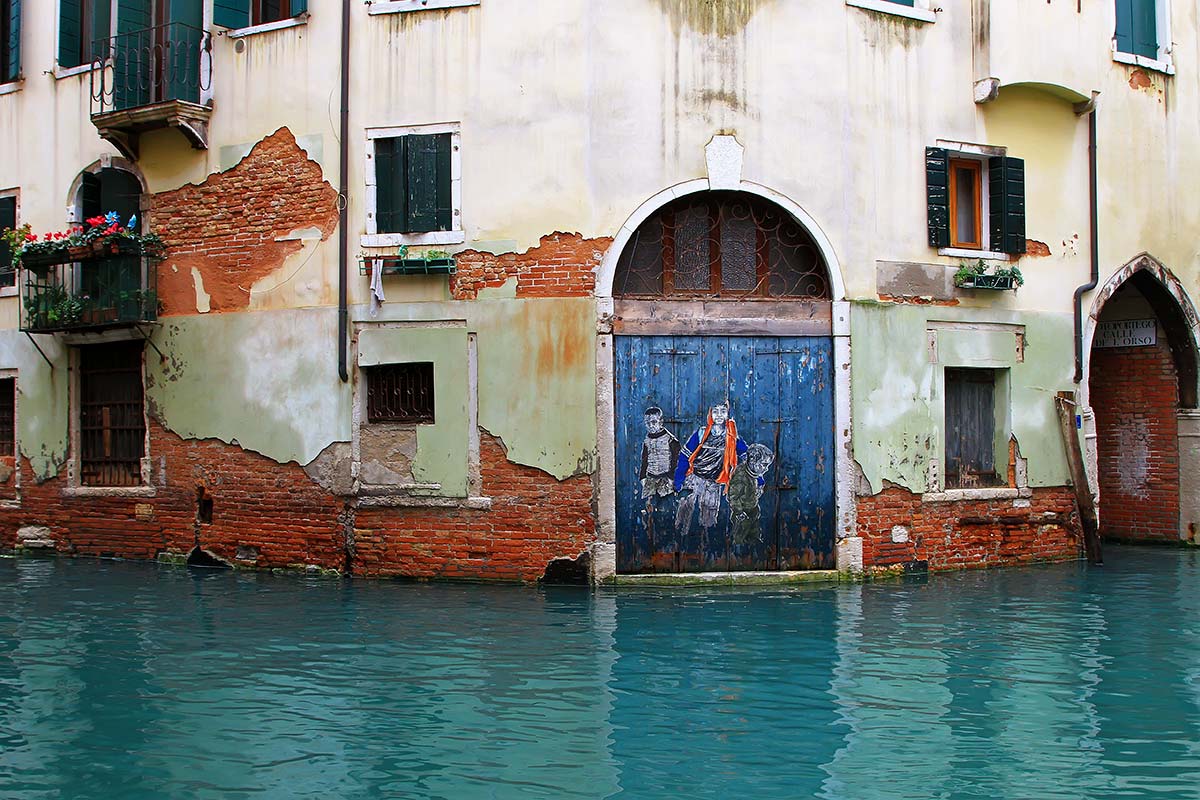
[[574, 112]]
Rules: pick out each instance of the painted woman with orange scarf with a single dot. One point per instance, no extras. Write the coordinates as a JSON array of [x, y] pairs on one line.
[[705, 463]]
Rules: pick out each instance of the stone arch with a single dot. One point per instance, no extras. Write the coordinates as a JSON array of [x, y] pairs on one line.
[[106, 162], [606, 274], [849, 556], [1139, 399], [1176, 311]]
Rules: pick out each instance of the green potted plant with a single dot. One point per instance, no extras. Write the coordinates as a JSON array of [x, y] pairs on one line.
[[978, 274]]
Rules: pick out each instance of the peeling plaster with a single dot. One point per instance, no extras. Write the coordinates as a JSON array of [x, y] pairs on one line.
[[202, 297]]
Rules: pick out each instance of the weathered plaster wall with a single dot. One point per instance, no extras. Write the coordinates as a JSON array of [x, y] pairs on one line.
[[42, 400], [898, 407]]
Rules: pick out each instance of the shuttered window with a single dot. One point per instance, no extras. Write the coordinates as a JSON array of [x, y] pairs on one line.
[[413, 184], [1137, 27], [10, 40], [971, 428], [244, 13], [8, 219], [82, 22], [954, 192]]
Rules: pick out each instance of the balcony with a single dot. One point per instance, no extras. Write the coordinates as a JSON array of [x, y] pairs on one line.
[[88, 289], [152, 79]]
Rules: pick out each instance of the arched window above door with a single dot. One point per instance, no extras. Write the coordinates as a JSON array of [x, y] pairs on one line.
[[722, 245]]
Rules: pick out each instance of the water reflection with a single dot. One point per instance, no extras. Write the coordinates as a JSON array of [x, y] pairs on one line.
[[131, 680]]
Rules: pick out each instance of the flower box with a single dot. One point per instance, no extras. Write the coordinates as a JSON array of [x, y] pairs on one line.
[[997, 282], [395, 265]]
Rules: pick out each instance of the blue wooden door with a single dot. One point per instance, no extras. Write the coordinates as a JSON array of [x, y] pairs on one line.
[[757, 496]]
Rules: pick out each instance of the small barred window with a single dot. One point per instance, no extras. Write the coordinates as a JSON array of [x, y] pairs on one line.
[[400, 393]]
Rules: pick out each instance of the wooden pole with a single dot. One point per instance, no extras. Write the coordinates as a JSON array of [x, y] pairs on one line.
[[1083, 495]]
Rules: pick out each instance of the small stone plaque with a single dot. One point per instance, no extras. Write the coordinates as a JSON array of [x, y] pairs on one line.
[[1126, 333], [144, 511]]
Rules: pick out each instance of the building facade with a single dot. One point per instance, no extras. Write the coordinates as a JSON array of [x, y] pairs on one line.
[[494, 290]]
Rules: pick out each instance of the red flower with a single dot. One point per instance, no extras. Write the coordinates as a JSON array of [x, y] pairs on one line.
[[31, 237], [95, 222]]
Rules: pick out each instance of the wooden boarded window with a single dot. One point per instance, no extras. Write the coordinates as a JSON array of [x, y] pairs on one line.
[[971, 428], [400, 393], [413, 184], [8, 219], [8, 416], [112, 423]]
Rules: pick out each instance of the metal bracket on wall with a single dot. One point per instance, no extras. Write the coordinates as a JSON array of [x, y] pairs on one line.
[[150, 342], [41, 352]]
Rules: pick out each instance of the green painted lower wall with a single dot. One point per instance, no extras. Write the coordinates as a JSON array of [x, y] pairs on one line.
[[41, 398], [899, 354]]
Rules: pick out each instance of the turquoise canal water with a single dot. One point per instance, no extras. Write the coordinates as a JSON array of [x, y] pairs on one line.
[[126, 680]]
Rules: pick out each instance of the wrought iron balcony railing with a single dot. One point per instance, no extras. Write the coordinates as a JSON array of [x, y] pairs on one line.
[[154, 78], [89, 291], [149, 66]]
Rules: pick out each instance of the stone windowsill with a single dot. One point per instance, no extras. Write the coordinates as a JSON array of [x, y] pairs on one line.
[[1162, 65], [9, 88], [397, 239], [401, 6], [886, 7], [401, 500], [994, 493], [962, 252], [266, 27], [110, 491]]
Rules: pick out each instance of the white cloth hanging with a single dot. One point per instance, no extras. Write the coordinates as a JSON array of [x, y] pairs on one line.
[[377, 297]]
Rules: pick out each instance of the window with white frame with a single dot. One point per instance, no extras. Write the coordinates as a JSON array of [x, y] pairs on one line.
[[1142, 33], [975, 200], [413, 186], [238, 14]]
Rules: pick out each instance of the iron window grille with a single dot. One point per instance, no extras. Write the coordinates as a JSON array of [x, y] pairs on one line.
[[400, 393], [722, 245], [112, 423]]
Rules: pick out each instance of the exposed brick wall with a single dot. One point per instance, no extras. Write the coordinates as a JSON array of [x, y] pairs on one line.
[[562, 265], [968, 533], [226, 227], [1134, 392], [274, 515], [534, 519]]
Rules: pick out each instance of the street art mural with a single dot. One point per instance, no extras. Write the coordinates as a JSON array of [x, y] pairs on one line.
[[751, 485]]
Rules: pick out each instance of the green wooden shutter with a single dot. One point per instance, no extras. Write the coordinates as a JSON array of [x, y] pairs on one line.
[[1145, 28], [903, 2], [10, 70], [134, 15], [1124, 32], [299, 7], [421, 197], [70, 28], [389, 184], [231, 13], [90, 204], [8, 219], [1006, 195], [937, 196], [445, 200]]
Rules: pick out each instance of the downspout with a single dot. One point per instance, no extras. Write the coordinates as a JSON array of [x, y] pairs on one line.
[[1088, 108], [343, 195]]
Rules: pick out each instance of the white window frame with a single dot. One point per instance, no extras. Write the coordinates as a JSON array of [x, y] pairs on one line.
[[921, 10], [967, 151], [402, 6], [15, 289], [1162, 30], [373, 238]]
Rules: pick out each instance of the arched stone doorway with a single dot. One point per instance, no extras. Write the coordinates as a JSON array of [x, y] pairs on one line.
[[1142, 393], [723, 390]]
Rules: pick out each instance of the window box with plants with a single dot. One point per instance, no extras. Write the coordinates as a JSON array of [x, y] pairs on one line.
[[97, 275], [430, 262], [979, 275]]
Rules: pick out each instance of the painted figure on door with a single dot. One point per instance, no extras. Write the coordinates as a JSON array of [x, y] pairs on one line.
[[660, 454], [745, 490], [705, 463]]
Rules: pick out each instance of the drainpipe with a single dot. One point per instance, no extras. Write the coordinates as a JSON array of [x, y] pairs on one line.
[[1088, 108], [343, 194]]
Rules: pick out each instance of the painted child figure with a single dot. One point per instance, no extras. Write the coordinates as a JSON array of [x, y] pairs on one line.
[[660, 452], [744, 491], [705, 464]]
